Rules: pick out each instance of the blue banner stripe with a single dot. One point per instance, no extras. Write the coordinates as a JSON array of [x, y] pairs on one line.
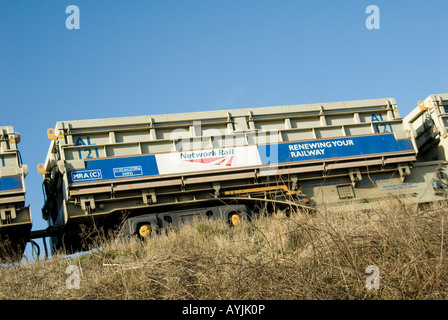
[[146, 165], [332, 148], [11, 183], [115, 168]]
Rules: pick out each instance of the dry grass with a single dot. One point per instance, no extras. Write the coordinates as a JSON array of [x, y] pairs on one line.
[[319, 256]]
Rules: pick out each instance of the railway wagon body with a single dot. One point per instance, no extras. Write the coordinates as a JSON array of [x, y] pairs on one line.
[[428, 125], [153, 171], [15, 216]]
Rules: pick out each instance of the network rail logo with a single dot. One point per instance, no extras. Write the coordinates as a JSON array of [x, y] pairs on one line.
[[215, 157], [202, 147]]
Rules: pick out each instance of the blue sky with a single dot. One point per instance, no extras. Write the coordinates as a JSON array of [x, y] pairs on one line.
[[142, 57]]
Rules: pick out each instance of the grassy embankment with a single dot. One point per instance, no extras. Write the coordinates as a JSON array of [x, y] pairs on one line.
[[319, 256]]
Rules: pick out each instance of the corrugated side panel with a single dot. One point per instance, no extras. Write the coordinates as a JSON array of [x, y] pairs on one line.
[[148, 146]]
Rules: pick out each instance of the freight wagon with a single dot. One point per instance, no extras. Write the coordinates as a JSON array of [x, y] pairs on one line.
[[15, 216], [156, 171]]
